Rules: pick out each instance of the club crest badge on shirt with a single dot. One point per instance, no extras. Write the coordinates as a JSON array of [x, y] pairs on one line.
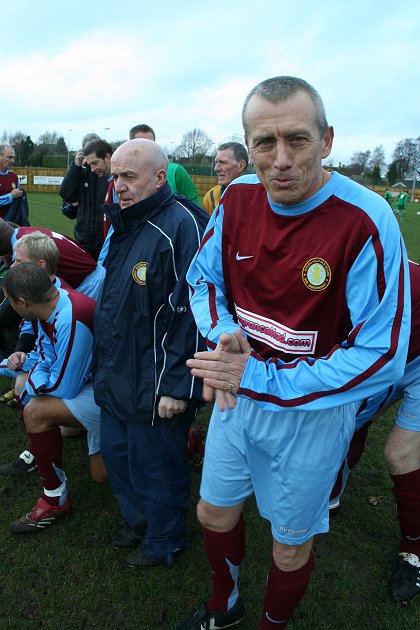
[[139, 273], [316, 274]]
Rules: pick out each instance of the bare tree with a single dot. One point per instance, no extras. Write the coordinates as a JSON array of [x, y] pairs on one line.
[[358, 162], [48, 137], [236, 137], [169, 150], [377, 159], [404, 156], [116, 143], [194, 143], [17, 141]]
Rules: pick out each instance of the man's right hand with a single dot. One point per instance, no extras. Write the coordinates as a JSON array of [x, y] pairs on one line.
[[79, 157], [16, 193], [16, 360]]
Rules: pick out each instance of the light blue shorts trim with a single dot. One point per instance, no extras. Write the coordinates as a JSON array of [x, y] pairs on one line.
[[288, 459], [92, 284], [87, 412], [408, 389]]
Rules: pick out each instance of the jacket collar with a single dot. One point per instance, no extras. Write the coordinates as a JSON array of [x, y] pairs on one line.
[[140, 212]]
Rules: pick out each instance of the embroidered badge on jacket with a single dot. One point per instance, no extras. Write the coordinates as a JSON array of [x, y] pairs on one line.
[[139, 273]]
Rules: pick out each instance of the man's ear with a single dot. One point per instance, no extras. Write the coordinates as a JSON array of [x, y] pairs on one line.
[[327, 142], [251, 161], [22, 302], [42, 263], [160, 177], [242, 166]]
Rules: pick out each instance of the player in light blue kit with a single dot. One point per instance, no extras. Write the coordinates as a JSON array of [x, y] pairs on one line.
[[311, 266], [54, 388]]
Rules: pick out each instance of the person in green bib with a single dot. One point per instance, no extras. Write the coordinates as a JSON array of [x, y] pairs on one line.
[[401, 203]]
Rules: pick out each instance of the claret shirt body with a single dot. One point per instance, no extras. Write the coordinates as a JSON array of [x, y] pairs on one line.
[[320, 288]]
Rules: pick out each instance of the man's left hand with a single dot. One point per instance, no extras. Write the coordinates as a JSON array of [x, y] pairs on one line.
[[169, 407], [222, 369]]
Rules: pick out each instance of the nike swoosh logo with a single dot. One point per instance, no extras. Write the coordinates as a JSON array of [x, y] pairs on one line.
[[273, 620], [238, 257], [413, 537]]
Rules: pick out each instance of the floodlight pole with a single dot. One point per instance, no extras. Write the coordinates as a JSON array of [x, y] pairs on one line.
[[213, 155], [68, 149], [413, 190]]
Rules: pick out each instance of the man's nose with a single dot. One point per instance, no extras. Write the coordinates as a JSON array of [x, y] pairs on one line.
[[282, 158]]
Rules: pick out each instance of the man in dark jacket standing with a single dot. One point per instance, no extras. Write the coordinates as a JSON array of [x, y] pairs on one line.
[[144, 332], [80, 185]]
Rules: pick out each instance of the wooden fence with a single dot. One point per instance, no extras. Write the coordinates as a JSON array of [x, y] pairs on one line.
[[40, 179], [49, 180], [203, 183]]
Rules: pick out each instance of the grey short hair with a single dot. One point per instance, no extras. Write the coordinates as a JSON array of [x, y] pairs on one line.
[[3, 147], [90, 137], [238, 150], [278, 89]]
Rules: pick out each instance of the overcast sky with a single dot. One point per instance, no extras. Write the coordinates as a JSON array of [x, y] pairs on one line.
[[89, 66]]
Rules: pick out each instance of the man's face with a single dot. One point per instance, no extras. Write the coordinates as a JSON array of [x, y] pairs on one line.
[[135, 178], [284, 143], [100, 166], [7, 159], [23, 308], [227, 167], [21, 255]]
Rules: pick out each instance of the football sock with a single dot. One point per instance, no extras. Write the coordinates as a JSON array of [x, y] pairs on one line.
[[407, 495], [47, 448], [225, 551], [59, 495], [283, 592]]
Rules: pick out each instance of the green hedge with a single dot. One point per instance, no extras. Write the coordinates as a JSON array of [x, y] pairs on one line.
[[54, 161]]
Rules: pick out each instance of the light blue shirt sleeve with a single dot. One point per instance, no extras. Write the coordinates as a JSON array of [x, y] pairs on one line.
[[62, 373], [103, 255], [7, 199], [207, 290], [60, 365]]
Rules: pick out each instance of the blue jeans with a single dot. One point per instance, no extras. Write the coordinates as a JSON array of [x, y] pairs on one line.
[[150, 478]]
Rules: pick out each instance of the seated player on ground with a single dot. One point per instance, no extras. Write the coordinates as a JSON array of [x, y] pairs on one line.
[[53, 382], [39, 248]]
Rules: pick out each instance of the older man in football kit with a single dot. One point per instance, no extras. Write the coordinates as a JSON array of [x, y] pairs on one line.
[[312, 268]]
